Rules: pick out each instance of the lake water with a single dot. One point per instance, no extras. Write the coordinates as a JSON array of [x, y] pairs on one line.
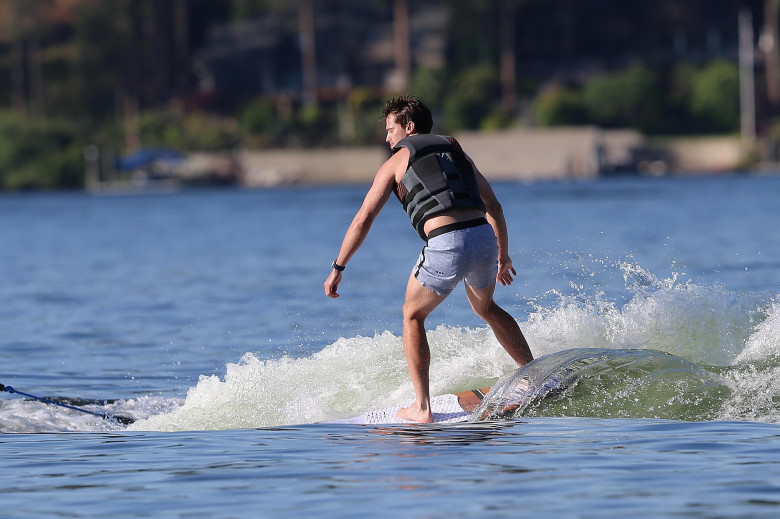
[[201, 316]]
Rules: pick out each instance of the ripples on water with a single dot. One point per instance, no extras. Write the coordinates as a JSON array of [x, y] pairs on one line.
[[204, 311], [565, 466]]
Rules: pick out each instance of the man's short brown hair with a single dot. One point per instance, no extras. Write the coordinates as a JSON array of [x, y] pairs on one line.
[[409, 109]]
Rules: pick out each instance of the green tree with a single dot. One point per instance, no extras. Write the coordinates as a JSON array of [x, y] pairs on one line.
[[38, 154], [27, 24], [106, 56], [560, 106], [472, 98], [629, 98], [188, 132], [715, 97], [431, 85]]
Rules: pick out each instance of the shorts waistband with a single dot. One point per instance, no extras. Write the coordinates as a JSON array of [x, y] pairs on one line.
[[444, 229]]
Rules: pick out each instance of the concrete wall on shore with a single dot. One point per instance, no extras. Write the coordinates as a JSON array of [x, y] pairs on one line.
[[311, 166], [514, 154], [705, 154], [554, 154], [518, 154]]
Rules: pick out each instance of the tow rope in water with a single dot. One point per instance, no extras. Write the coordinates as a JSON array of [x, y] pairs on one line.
[[124, 420]]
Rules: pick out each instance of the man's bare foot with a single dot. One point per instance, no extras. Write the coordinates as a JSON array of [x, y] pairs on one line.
[[415, 414]]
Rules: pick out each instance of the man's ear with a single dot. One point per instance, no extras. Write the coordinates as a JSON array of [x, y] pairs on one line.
[[410, 128]]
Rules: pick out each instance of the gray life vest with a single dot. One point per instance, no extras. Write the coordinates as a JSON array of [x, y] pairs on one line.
[[438, 178]]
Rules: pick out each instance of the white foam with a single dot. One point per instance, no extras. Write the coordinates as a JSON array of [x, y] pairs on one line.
[[764, 342], [755, 376], [708, 325], [347, 378]]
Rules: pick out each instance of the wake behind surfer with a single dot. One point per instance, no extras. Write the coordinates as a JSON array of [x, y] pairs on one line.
[[455, 211]]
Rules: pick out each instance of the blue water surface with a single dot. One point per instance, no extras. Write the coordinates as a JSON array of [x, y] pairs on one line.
[[567, 467], [152, 300]]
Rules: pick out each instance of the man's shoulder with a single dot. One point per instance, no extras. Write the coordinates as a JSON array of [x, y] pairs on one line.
[[397, 161], [430, 137], [452, 141], [423, 141]]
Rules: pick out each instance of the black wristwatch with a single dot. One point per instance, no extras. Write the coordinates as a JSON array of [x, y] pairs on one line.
[[337, 266]]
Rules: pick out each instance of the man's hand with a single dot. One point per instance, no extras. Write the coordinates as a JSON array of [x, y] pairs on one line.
[[505, 272], [332, 283]]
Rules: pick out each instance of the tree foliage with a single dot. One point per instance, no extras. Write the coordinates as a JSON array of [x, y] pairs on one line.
[[37, 154], [73, 72], [715, 96], [628, 97], [693, 99]]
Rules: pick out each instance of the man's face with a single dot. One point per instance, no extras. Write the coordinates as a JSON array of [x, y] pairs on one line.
[[396, 132]]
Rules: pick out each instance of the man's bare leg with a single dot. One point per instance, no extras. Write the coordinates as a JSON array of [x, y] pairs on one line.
[[504, 326], [420, 302]]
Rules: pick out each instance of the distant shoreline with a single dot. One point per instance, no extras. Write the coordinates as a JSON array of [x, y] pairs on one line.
[[525, 155]]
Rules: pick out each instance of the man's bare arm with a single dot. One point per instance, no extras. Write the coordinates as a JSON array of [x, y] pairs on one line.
[[373, 203], [495, 217]]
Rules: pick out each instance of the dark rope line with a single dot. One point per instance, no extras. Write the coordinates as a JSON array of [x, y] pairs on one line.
[[124, 420]]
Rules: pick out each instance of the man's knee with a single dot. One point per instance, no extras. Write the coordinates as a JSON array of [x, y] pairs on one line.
[[489, 311], [481, 311], [412, 312]]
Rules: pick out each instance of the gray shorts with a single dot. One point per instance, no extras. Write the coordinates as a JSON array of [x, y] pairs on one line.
[[466, 254]]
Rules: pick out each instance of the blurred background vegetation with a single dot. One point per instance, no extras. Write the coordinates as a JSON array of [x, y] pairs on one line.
[[214, 75]]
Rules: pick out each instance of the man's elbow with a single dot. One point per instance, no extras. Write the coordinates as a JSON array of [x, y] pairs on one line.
[[494, 208]]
